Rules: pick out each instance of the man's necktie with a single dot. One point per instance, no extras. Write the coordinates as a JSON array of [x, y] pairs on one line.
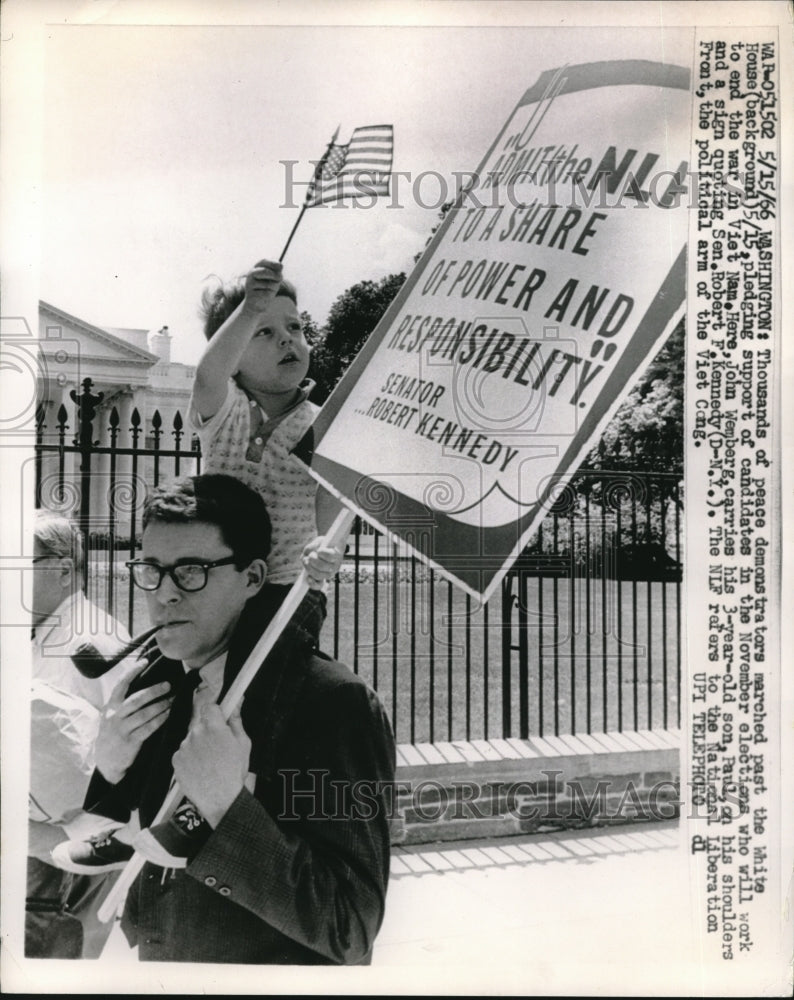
[[173, 732]]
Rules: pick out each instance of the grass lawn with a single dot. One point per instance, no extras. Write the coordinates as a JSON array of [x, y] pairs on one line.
[[444, 659]]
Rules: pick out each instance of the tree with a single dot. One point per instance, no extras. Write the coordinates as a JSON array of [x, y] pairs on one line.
[[352, 318], [321, 363], [647, 432], [311, 331], [324, 370]]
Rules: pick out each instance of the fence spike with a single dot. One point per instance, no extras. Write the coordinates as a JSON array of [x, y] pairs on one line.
[[177, 421], [135, 418]]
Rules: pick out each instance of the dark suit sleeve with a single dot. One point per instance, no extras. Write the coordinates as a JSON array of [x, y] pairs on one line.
[[119, 800], [315, 867], [108, 800]]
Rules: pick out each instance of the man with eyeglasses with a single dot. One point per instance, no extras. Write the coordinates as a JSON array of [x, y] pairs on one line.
[[61, 908], [290, 857]]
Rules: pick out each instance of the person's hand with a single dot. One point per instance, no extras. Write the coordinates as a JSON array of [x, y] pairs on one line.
[[321, 562], [261, 285], [212, 763], [127, 722]]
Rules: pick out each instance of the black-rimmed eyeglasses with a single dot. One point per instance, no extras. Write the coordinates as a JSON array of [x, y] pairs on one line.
[[189, 575]]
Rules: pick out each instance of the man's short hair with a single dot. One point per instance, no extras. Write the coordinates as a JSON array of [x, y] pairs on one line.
[[219, 303], [237, 510], [59, 537]]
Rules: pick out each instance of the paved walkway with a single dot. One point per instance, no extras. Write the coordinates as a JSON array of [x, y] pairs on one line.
[[584, 911], [593, 912]]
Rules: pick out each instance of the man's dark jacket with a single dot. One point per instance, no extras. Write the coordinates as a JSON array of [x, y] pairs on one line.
[[285, 877]]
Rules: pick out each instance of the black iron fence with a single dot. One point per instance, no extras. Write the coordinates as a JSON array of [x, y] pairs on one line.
[[583, 637]]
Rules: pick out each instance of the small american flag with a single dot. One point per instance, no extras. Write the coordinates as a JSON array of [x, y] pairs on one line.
[[361, 167]]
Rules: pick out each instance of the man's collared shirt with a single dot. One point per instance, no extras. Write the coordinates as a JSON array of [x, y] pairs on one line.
[[212, 674]]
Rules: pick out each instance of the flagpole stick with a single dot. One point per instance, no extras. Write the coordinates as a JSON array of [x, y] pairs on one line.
[[315, 175], [335, 536], [289, 238]]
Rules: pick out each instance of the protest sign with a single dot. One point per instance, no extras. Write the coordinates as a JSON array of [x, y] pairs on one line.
[[557, 274]]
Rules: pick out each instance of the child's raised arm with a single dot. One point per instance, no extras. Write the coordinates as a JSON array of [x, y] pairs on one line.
[[223, 353]]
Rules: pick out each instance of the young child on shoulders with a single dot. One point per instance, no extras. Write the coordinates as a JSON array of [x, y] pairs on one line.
[[250, 406]]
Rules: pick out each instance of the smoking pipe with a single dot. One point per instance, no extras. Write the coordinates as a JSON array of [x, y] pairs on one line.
[[91, 663]]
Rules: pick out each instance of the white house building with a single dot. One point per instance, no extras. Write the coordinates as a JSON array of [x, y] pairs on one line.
[[131, 370]]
